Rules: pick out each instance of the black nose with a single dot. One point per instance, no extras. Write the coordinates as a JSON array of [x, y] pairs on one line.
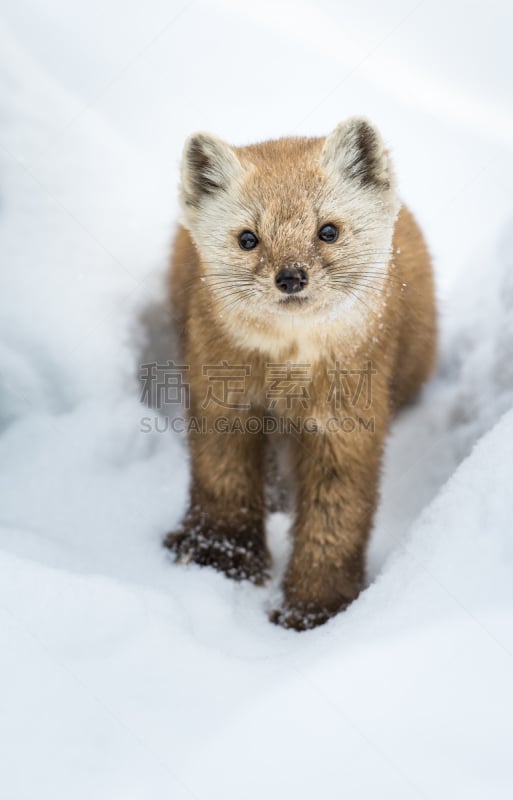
[[291, 280]]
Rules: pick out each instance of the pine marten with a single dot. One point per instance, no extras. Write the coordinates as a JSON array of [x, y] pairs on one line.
[[300, 280]]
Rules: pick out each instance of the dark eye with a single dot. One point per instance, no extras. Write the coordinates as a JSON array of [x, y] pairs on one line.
[[247, 240], [328, 233]]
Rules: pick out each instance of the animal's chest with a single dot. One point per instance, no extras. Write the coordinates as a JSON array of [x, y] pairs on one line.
[[293, 386]]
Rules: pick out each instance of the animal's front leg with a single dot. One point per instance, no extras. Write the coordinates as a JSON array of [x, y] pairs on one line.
[[337, 485], [224, 525]]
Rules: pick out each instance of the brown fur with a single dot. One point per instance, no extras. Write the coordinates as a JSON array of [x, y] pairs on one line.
[[227, 308]]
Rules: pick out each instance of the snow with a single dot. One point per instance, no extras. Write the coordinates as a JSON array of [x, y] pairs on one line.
[[122, 674]]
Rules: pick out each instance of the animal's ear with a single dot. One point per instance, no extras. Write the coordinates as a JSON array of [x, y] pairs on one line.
[[355, 151], [209, 165]]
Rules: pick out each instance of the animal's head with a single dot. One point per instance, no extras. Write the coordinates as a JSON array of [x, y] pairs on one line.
[[292, 226]]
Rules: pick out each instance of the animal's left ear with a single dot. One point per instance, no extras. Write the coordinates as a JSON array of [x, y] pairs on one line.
[[355, 150]]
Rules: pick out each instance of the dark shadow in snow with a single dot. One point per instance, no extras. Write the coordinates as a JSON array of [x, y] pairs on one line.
[[162, 379]]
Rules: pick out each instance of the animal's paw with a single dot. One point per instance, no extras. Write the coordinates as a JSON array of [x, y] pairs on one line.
[[239, 556], [300, 618]]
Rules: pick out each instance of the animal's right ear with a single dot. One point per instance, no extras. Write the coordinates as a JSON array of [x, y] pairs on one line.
[[209, 165]]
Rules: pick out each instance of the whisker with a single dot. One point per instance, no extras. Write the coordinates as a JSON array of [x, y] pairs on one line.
[[351, 292], [235, 301]]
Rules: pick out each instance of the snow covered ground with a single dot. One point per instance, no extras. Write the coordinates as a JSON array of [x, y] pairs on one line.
[[123, 675]]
